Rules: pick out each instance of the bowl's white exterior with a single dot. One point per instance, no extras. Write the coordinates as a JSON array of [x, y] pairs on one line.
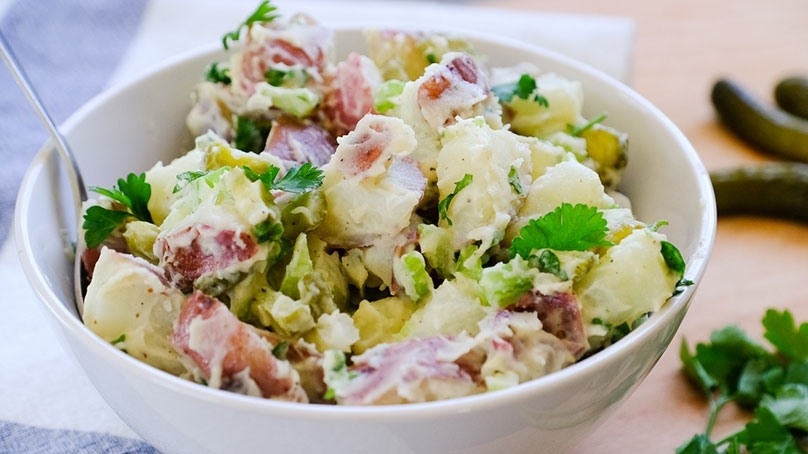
[[130, 127]]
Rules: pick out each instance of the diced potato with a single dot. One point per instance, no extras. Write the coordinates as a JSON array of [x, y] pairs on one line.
[[607, 147], [380, 320], [130, 306], [568, 181], [453, 308], [480, 211], [564, 103], [140, 236], [404, 55], [630, 280]]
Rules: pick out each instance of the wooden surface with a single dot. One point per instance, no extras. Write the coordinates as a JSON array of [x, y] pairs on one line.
[[682, 47]]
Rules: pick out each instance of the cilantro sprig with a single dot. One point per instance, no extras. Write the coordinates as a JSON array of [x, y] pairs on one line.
[[265, 12], [525, 88], [298, 179], [771, 381], [132, 194], [569, 227]]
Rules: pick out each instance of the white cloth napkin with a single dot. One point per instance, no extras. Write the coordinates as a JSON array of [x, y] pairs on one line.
[[40, 384]]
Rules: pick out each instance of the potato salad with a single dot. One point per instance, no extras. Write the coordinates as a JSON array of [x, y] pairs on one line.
[[404, 224]]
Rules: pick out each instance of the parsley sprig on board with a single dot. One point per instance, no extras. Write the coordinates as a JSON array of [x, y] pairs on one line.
[[265, 12], [771, 382], [132, 194]]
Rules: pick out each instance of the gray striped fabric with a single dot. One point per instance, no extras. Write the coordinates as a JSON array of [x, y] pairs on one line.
[[69, 50]]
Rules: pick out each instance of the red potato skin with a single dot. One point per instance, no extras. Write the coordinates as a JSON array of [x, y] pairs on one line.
[[560, 315], [349, 96], [297, 142], [186, 255], [244, 349]]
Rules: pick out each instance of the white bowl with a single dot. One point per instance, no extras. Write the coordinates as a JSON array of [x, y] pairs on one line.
[[130, 127]]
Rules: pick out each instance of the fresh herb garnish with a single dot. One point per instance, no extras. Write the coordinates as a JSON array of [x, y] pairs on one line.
[[657, 225], [577, 131], [567, 228], [265, 12], [548, 262], [268, 231], [514, 181], [248, 136], [296, 77], [217, 74], [276, 77], [279, 351], [186, 177], [443, 205], [118, 342], [298, 179], [132, 193], [99, 223], [773, 383], [673, 258], [524, 88], [616, 332]]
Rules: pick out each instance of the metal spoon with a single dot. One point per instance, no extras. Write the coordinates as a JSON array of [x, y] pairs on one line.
[[74, 175]]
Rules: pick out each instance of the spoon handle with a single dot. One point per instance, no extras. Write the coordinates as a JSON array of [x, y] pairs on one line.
[[76, 181]]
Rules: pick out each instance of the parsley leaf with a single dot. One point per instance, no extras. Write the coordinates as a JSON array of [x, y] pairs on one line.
[[733, 367], [187, 177], [443, 205], [99, 223], [766, 434], [789, 404], [276, 77], [699, 444], [293, 77], [567, 228], [249, 136], [133, 193], [298, 179], [524, 88], [676, 263], [268, 230], [265, 12], [696, 371], [548, 262], [783, 333], [219, 75], [673, 258]]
